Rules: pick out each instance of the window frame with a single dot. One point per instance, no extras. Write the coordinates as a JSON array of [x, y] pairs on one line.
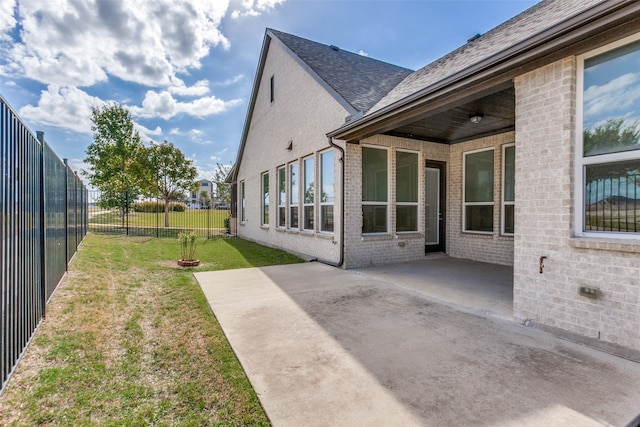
[[281, 220], [581, 162], [464, 196], [291, 203], [265, 199], [243, 202], [417, 202], [377, 203], [305, 205], [321, 203], [504, 203]]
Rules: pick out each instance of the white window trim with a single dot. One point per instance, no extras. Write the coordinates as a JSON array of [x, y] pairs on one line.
[[416, 204], [286, 196], [289, 194], [264, 208], [465, 204], [504, 203], [387, 204], [581, 162], [320, 202], [303, 203], [243, 201]]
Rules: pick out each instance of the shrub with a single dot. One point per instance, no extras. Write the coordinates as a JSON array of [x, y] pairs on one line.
[[151, 206]]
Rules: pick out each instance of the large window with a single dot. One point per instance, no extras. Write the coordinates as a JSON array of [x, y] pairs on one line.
[[327, 191], [282, 197], [242, 202], [265, 198], [294, 195], [508, 189], [374, 190], [309, 192], [406, 191], [478, 191], [608, 166]]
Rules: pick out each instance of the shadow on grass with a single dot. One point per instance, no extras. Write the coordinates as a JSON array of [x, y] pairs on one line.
[[256, 255]]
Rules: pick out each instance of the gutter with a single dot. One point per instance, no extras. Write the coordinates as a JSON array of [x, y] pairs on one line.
[[342, 213], [547, 41]]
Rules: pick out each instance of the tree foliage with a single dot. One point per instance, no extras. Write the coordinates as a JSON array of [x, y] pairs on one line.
[[166, 173], [222, 188], [112, 156], [615, 135]]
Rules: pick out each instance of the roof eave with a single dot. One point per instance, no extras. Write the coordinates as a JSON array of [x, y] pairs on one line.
[[568, 32]]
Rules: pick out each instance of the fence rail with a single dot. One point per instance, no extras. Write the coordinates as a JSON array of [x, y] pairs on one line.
[[148, 218], [43, 205]]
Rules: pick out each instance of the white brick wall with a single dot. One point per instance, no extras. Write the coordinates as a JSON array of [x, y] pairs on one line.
[[545, 150], [369, 250], [306, 113]]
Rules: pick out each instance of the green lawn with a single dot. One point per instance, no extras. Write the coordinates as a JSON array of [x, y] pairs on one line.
[[129, 339], [191, 218]]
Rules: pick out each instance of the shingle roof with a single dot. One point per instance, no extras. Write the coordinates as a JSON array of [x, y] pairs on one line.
[[539, 17], [360, 80]]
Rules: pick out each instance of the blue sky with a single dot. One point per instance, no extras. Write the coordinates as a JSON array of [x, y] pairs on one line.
[[185, 69]]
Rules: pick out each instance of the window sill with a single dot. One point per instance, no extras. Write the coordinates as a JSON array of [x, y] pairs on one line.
[[264, 226], [409, 235], [281, 229], [308, 233], [291, 231], [376, 237], [605, 244], [478, 233], [325, 235]]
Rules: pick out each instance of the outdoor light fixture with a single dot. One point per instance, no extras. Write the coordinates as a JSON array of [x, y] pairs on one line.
[[290, 145], [476, 118]]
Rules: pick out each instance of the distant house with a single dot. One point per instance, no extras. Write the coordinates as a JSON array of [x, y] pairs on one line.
[[518, 148], [196, 201]]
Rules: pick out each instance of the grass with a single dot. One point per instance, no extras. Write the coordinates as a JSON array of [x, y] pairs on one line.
[[191, 218], [129, 339]]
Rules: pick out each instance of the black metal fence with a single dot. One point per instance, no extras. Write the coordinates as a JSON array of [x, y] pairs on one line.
[[44, 218], [147, 217]]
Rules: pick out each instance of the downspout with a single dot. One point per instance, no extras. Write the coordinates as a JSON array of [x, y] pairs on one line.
[[342, 213]]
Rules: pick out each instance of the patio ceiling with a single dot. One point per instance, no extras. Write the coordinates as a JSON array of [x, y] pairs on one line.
[[453, 125]]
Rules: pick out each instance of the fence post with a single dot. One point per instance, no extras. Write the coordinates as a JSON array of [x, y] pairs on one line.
[[43, 234], [66, 215]]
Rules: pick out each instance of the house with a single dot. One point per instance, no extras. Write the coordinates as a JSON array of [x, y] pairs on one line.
[[197, 201], [519, 148]]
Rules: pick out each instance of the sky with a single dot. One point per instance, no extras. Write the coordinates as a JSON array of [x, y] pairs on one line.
[[185, 68]]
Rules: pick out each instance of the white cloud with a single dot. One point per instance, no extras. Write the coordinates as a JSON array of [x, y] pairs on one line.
[[232, 80], [147, 134], [164, 105], [7, 18], [255, 7], [81, 42], [363, 53], [201, 87], [63, 107], [616, 96]]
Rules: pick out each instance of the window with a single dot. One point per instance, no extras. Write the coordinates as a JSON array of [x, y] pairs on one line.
[[294, 196], [242, 202], [406, 191], [204, 184], [265, 198], [271, 89], [327, 191], [608, 164], [309, 190], [282, 197], [508, 189], [374, 190], [478, 191]]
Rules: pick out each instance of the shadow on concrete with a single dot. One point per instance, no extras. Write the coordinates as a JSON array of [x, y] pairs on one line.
[[444, 366]]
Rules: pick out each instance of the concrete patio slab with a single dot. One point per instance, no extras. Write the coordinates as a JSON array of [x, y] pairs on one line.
[[324, 346]]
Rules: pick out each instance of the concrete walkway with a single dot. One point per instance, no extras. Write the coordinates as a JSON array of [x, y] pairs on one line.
[[328, 347]]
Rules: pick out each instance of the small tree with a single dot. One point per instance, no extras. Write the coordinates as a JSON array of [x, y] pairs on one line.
[[166, 173], [222, 189], [112, 157]]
